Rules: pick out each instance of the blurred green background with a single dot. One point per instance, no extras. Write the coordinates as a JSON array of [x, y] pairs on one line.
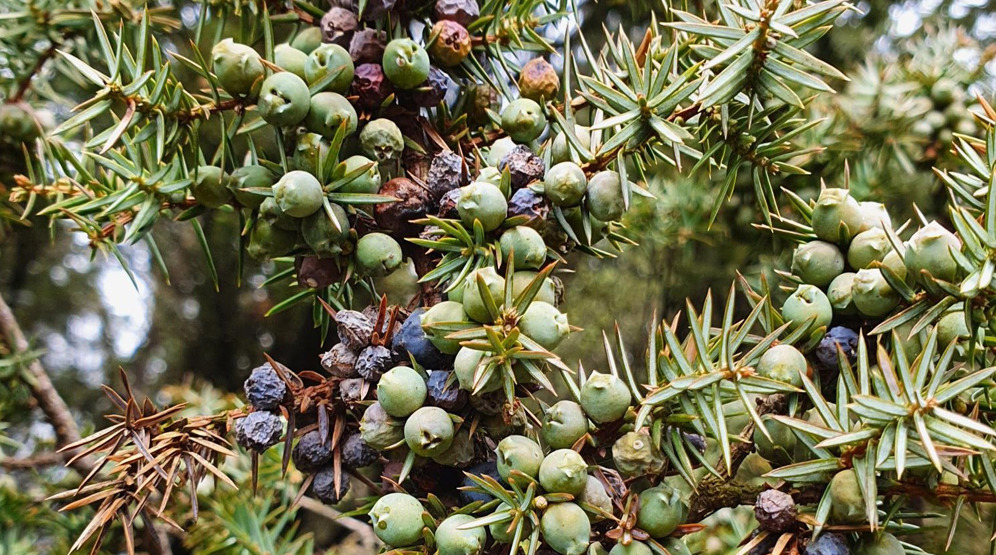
[[89, 319]]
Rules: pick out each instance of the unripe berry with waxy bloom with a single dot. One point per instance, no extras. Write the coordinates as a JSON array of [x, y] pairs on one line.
[[547, 292], [808, 305], [397, 519], [523, 120], [298, 194], [308, 40], [500, 530], [565, 184], [563, 471], [322, 235], [780, 448], [429, 431], [544, 324], [378, 255], [594, 494], [326, 60], [661, 511], [847, 505], [527, 246], [482, 202], [465, 367], [882, 543], [284, 99], [382, 140], [237, 67], [401, 391], [311, 150], [872, 294], [451, 540], [268, 241], [473, 302], [634, 548], [499, 150], [783, 363], [929, 249], [253, 176], [894, 261], [328, 111], [605, 397], [405, 63], [561, 149], [874, 215], [521, 454], [839, 294], [566, 528], [210, 186], [817, 262], [604, 199], [290, 59], [868, 247], [564, 424], [444, 312], [837, 216], [950, 327], [368, 182]]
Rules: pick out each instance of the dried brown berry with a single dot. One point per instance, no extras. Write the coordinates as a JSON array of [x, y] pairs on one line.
[[538, 80], [523, 166], [413, 203], [463, 12], [482, 98], [317, 273], [370, 87], [340, 361], [526, 202], [775, 510], [354, 329], [259, 431], [452, 43], [312, 452], [351, 390], [367, 46], [445, 174], [338, 26], [490, 404], [377, 9]]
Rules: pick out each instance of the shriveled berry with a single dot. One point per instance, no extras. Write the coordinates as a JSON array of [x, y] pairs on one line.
[[775, 510], [379, 429], [401, 391], [605, 397], [448, 205], [397, 519], [538, 80], [529, 203], [524, 167], [405, 63], [312, 452], [429, 431], [356, 453], [284, 99], [373, 361], [354, 329], [317, 273], [413, 203], [367, 46], [352, 390], [563, 471], [378, 255], [259, 431], [445, 395], [445, 174], [328, 111], [340, 361], [451, 43], [635, 454], [370, 86], [332, 65], [338, 25], [264, 389], [523, 120], [481, 99], [432, 91], [324, 488], [828, 544], [566, 528], [376, 10], [463, 12], [382, 140], [518, 453]]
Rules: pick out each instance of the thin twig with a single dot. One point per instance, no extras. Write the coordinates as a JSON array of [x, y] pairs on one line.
[[34, 461], [25, 84]]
